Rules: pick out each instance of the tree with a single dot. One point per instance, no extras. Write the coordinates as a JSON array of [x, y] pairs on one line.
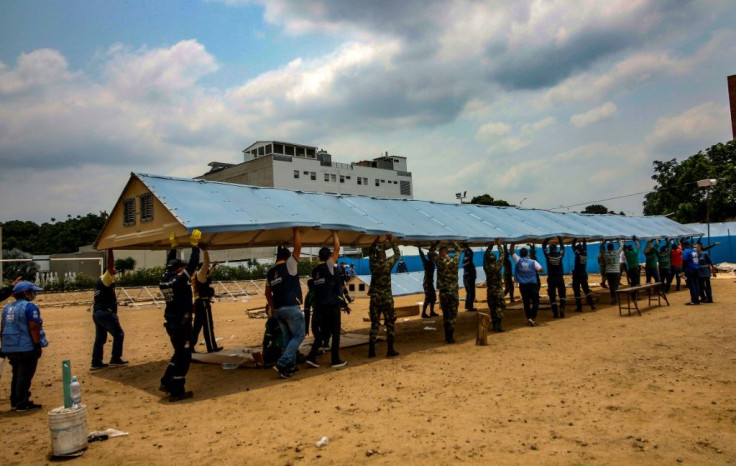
[[26, 269], [597, 209], [124, 265], [487, 199], [53, 238], [677, 190]]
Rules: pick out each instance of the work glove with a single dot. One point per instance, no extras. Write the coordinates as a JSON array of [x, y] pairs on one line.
[[195, 237], [173, 241]]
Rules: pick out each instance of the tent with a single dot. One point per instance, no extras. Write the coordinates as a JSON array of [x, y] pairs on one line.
[[236, 216]]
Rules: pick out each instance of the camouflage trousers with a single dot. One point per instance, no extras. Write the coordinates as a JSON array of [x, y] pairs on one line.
[[382, 305], [449, 303], [496, 303]]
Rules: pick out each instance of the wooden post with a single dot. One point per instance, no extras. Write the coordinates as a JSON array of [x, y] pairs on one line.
[[484, 319]]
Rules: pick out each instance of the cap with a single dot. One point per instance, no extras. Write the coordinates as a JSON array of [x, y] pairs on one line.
[[175, 264], [20, 287]]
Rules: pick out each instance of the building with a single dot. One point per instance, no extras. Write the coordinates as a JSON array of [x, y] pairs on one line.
[[304, 168]]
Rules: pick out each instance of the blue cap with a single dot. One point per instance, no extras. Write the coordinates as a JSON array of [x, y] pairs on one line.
[[25, 286]]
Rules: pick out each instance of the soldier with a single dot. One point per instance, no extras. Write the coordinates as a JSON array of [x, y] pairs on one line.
[[177, 291], [430, 295], [494, 288], [447, 271], [527, 272], [382, 300], [469, 276], [508, 275], [580, 275], [555, 276]]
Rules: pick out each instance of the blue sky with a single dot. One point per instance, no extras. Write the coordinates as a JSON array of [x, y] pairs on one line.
[[559, 103]]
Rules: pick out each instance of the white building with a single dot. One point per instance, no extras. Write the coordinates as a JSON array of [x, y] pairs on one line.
[[304, 168]]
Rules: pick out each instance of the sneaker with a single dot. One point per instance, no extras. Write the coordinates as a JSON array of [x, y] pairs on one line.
[[27, 406], [118, 363], [338, 364], [96, 367], [183, 396], [312, 362], [294, 370], [531, 323], [283, 372]]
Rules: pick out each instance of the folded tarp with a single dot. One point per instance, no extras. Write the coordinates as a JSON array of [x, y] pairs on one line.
[[235, 216]]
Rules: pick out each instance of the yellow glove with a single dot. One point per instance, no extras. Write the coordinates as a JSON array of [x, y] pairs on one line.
[[173, 241], [195, 237]]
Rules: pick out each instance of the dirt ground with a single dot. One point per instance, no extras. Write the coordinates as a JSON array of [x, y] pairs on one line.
[[593, 388]]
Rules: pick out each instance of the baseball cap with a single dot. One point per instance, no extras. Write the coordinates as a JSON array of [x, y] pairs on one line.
[[175, 264], [20, 287]]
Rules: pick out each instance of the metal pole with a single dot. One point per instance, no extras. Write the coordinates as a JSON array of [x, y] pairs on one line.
[[708, 214], [1, 254]]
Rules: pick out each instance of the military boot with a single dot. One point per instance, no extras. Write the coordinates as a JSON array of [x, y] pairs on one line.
[[498, 325], [555, 314], [494, 324], [390, 352], [372, 349], [562, 309], [590, 302], [449, 331]]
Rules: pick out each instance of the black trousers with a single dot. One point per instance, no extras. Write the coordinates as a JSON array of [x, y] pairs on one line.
[[175, 376], [24, 368], [530, 298], [555, 286], [578, 282], [704, 289], [469, 284], [203, 321], [328, 321]]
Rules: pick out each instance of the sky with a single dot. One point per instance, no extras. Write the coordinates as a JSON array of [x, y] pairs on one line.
[[546, 104]]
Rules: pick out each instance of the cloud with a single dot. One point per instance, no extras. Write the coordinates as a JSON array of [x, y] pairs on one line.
[[595, 115], [34, 70], [693, 129]]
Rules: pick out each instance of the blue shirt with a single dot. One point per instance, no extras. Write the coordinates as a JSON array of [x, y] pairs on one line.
[[16, 336]]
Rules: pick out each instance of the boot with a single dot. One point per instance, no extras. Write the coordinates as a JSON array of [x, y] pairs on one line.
[[562, 311], [498, 325], [390, 352], [424, 314], [449, 331], [371, 349], [589, 298], [555, 314], [494, 324]]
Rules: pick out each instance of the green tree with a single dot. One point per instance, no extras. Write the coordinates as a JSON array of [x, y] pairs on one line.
[[55, 237], [677, 190], [597, 209], [124, 265], [487, 199]]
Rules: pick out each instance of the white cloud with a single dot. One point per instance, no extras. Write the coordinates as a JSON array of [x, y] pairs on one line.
[[705, 122], [491, 129], [39, 68], [594, 115]]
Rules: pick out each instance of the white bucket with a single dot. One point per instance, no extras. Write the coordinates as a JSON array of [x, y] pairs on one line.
[[68, 430]]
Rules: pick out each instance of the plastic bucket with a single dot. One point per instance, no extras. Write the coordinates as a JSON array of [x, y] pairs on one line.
[[68, 430]]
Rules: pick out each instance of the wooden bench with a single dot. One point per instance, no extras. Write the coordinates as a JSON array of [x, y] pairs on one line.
[[654, 291]]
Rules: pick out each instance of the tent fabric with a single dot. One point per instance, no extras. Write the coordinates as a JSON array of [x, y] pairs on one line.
[[232, 215], [408, 283]]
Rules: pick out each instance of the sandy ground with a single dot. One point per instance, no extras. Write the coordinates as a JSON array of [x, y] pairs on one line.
[[594, 388]]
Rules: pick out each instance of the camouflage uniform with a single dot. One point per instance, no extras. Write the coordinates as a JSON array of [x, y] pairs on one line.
[[447, 277], [382, 300], [494, 289]]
